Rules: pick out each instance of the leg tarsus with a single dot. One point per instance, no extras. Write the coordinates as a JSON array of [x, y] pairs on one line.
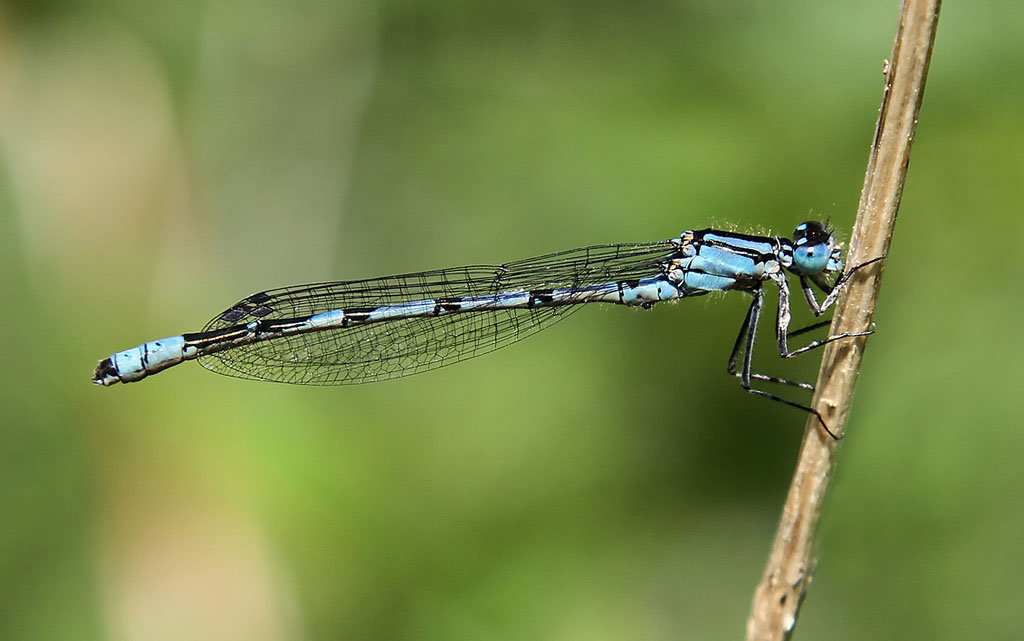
[[831, 339], [808, 409]]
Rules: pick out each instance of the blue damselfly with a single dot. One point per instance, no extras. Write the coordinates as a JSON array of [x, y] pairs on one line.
[[370, 330]]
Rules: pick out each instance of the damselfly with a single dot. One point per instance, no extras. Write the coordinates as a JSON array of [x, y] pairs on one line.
[[370, 330]]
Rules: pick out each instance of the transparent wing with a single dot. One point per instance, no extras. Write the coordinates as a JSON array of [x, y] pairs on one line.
[[378, 351]]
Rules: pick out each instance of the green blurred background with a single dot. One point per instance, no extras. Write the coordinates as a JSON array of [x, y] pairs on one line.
[[603, 480]]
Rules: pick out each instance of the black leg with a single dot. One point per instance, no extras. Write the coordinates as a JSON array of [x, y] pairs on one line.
[[833, 292], [737, 347], [743, 338], [809, 328], [812, 301], [825, 341], [809, 410], [782, 324], [748, 331], [745, 341]]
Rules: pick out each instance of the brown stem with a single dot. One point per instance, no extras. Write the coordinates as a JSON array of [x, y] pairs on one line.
[[791, 563]]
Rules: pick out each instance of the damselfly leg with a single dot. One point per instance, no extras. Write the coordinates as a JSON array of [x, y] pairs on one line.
[[748, 331]]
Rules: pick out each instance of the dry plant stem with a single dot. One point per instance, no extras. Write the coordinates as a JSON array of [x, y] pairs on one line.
[[790, 565]]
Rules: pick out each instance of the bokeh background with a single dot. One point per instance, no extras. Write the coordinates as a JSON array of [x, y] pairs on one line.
[[602, 480]]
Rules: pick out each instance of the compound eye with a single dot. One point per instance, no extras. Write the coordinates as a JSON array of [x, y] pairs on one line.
[[811, 259], [812, 248], [811, 232]]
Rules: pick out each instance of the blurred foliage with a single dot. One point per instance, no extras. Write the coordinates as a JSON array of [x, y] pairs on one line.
[[604, 480]]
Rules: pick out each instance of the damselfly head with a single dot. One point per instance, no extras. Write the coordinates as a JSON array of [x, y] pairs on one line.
[[815, 250]]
